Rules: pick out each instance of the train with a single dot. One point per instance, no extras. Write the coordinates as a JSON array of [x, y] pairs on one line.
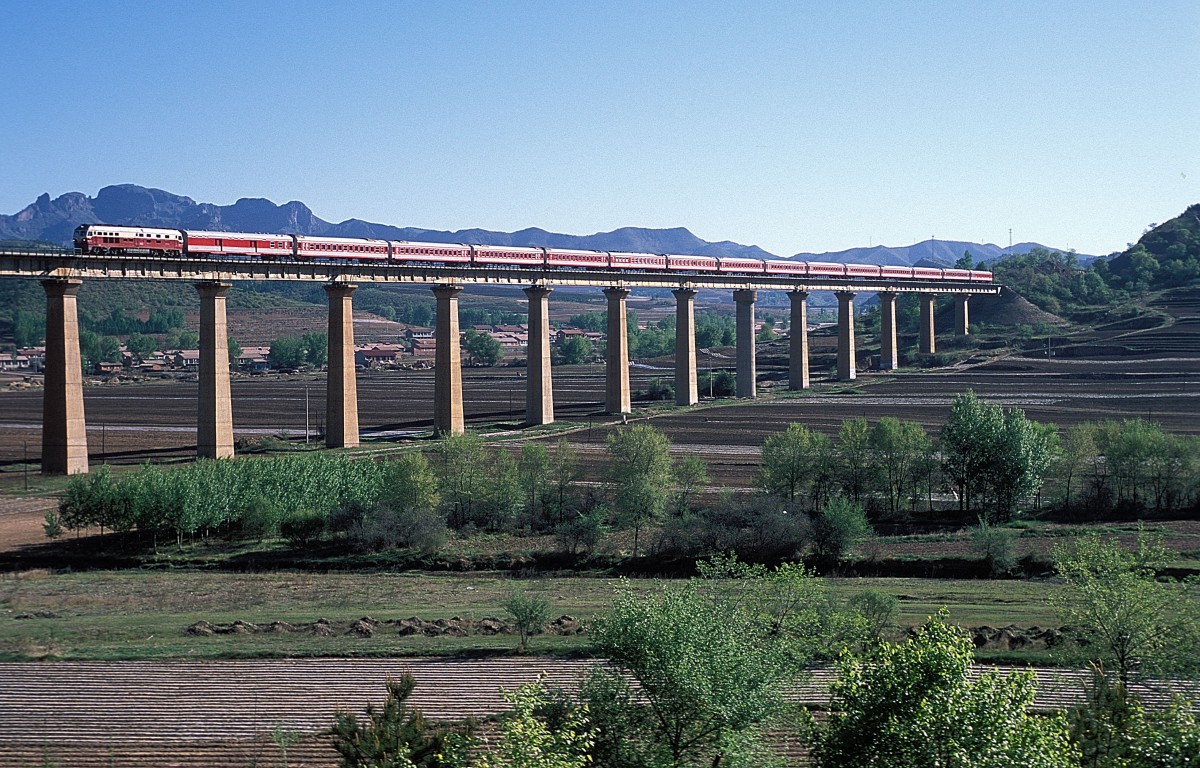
[[105, 239]]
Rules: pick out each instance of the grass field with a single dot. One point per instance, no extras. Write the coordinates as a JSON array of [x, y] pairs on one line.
[[145, 615]]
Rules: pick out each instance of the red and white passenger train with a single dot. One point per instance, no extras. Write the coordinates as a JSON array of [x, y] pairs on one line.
[[103, 239]]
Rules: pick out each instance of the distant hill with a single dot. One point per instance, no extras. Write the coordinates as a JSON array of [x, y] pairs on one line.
[[55, 219], [931, 252]]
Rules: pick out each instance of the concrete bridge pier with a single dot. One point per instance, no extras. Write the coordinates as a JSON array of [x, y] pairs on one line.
[[747, 372], [64, 430], [928, 337], [616, 364], [214, 422], [846, 363], [447, 367], [686, 389], [889, 355], [961, 315], [798, 341], [539, 384], [341, 385]]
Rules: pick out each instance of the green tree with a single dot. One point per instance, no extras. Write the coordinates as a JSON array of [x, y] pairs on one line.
[[790, 460], [141, 346], [94, 348], [691, 474], [504, 495], [1078, 451], [529, 612], [897, 451], [29, 329], [575, 349], [235, 350], [969, 443], [540, 732], [913, 705], [836, 529], [393, 736], [185, 339], [286, 352], [854, 468], [410, 483], [1123, 620], [461, 476], [709, 675], [316, 348], [482, 348], [640, 475], [564, 471], [996, 545], [994, 458], [534, 470]]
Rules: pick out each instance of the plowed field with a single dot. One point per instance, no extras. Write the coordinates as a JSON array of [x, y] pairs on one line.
[[130, 715]]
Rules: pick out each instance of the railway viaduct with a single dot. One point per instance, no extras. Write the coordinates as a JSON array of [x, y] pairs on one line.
[[64, 439]]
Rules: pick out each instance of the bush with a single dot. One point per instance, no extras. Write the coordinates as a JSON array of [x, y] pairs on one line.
[[529, 612], [997, 547], [877, 608], [839, 526], [582, 532], [303, 529], [421, 529]]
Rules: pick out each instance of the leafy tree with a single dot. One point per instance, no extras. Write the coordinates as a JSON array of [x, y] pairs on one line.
[[316, 348], [286, 352], [564, 471], [1122, 618], [691, 474], [235, 350], [185, 339], [94, 348], [789, 459], [707, 670], [597, 322], [393, 736], [462, 459], [855, 469], [534, 470], [912, 705], [575, 349], [28, 328], [838, 527], [482, 348], [994, 457], [897, 451], [409, 482], [640, 475], [530, 613], [996, 545], [141, 346], [877, 608], [504, 495], [1078, 451], [540, 732]]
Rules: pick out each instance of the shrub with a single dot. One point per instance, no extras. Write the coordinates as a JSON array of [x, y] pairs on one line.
[[303, 529]]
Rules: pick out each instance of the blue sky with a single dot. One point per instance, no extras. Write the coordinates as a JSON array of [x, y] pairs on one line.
[[797, 126]]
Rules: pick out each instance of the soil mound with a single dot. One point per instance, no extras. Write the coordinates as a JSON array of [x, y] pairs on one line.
[[1010, 309]]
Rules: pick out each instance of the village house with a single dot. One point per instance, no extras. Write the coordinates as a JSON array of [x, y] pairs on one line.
[[255, 359], [378, 355], [13, 362]]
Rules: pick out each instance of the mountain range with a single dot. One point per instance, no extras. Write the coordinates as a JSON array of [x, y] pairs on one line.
[[54, 220]]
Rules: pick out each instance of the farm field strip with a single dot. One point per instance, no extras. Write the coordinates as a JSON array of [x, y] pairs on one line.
[[197, 701]]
